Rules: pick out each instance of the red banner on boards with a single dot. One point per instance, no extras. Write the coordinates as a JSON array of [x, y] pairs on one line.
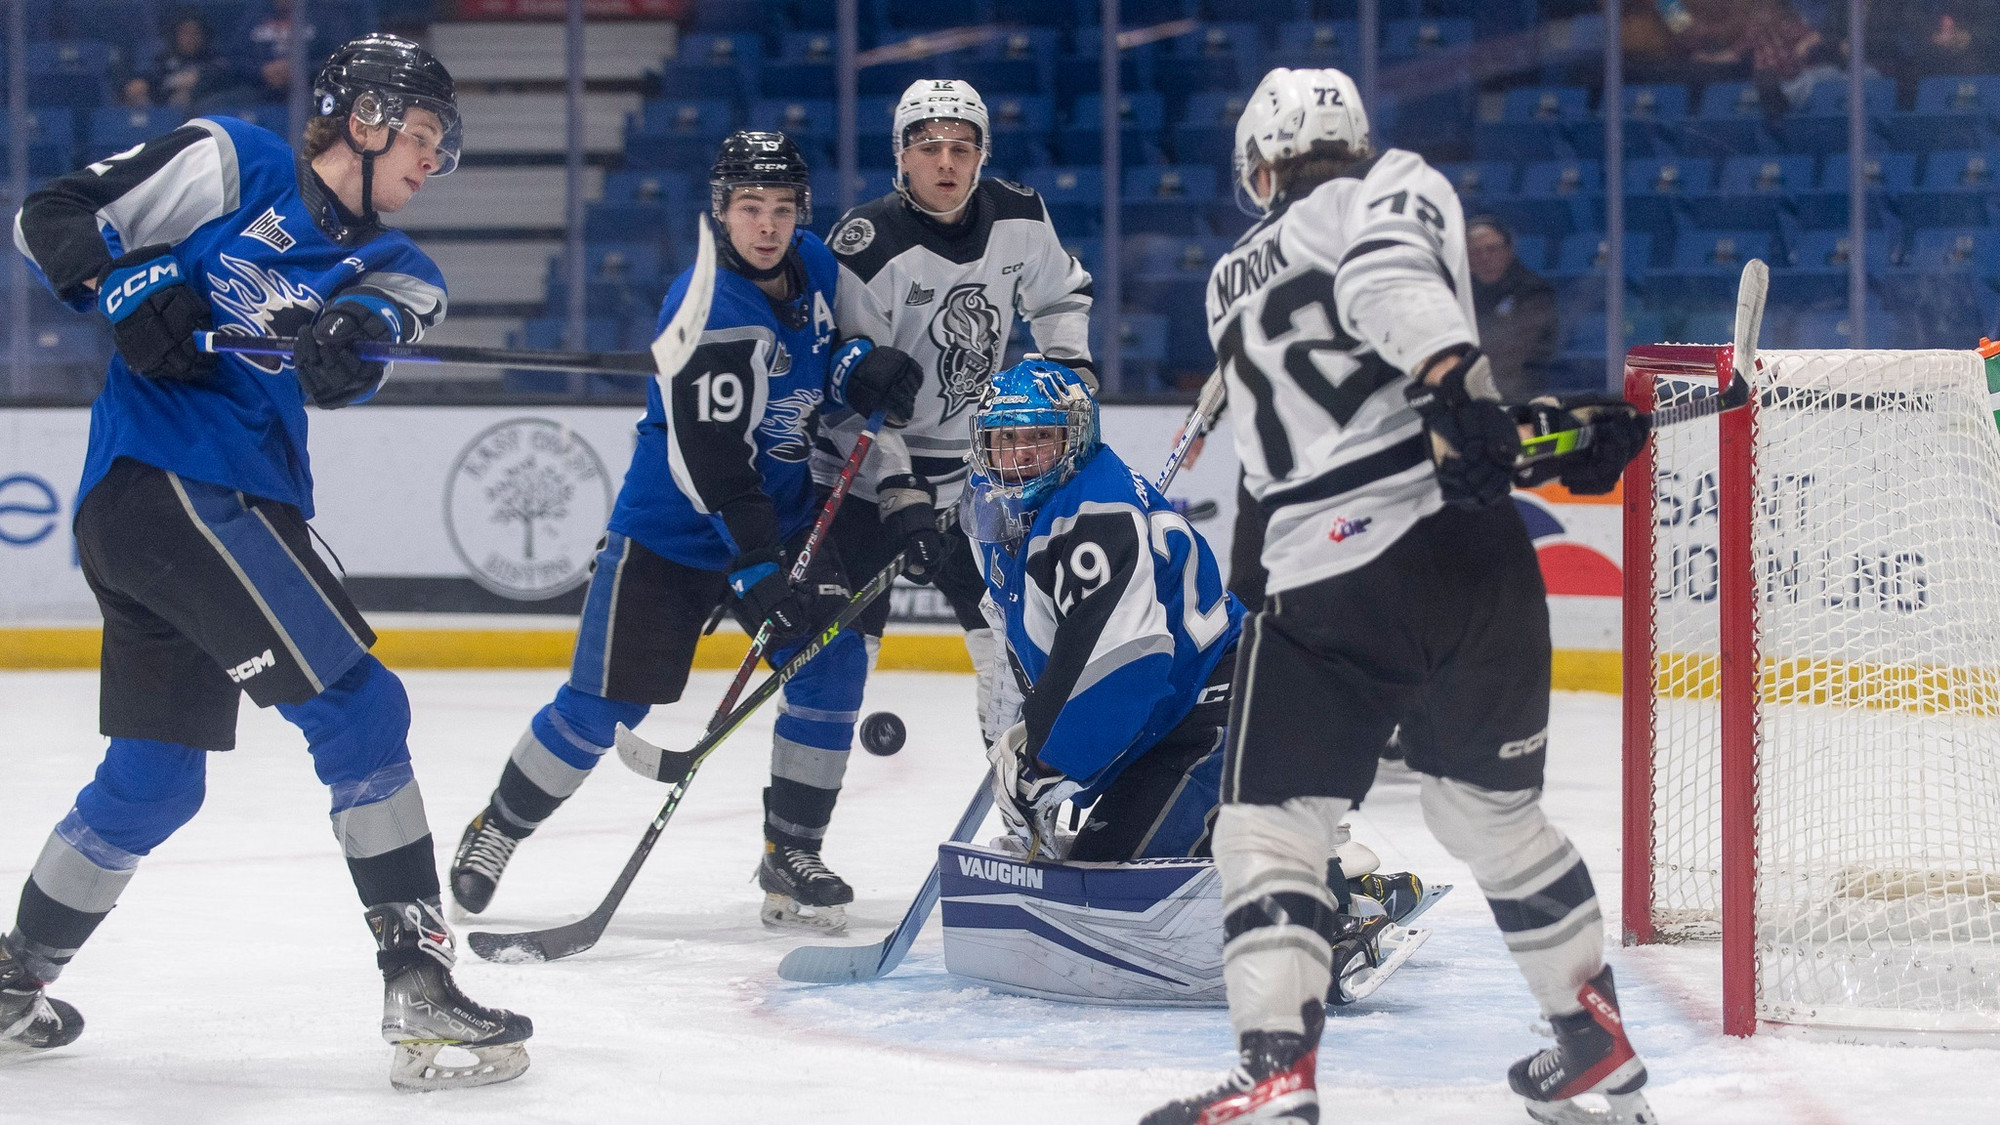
[[557, 9]]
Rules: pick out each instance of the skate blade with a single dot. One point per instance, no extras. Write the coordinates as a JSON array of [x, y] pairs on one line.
[[1396, 944], [415, 1069], [782, 912], [1619, 1109]]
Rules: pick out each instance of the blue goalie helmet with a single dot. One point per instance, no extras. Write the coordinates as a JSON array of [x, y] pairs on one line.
[[1036, 426]]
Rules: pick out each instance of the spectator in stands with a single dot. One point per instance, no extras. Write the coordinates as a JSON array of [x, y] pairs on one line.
[[262, 52], [187, 66], [1516, 309], [1704, 32], [1781, 48], [1948, 37]]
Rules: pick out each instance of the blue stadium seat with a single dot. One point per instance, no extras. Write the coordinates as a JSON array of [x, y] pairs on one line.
[[632, 222], [1168, 199], [1585, 254], [1078, 71], [1039, 44], [51, 141], [797, 80], [1141, 116], [1206, 131], [1750, 191], [1087, 250], [1148, 254], [1022, 126], [807, 47], [699, 80], [812, 123], [1074, 194], [117, 128], [685, 117], [1143, 348], [1729, 123], [1813, 267], [1555, 198], [1950, 113], [1533, 123], [1479, 181], [729, 15], [1653, 114], [1707, 264], [1046, 13], [1824, 329], [1825, 207], [1954, 191], [1965, 250], [934, 14], [869, 183], [1408, 39], [1224, 57], [890, 79], [1318, 43], [720, 49], [1822, 125], [671, 188], [632, 262]]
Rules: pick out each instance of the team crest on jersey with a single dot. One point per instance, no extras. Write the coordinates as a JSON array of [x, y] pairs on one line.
[[781, 361], [854, 236], [966, 330], [269, 229], [919, 295], [261, 302], [787, 421]]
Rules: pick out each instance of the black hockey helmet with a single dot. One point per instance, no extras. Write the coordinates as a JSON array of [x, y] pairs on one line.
[[379, 78], [750, 158]]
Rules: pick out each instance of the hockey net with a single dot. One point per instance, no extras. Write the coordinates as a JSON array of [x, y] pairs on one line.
[[1816, 645]]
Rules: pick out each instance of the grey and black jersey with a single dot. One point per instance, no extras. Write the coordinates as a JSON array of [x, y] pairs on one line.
[[1316, 316], [949, 297]]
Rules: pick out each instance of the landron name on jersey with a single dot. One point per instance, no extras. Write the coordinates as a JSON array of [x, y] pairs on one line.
[[1248, 273]]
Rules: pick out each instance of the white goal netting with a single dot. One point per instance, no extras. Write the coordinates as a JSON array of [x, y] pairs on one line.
[[1875, 539]]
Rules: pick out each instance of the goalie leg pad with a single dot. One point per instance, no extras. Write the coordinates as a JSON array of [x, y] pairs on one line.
[[1534, 880], [1279, 918]]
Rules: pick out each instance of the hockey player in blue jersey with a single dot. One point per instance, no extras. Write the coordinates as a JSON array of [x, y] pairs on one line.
[[191, 530], [1114, 613], [718, 496]]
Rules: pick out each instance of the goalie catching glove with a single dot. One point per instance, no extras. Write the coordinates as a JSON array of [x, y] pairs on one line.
[[1473, 441], [1613, 432], [1028, 796]]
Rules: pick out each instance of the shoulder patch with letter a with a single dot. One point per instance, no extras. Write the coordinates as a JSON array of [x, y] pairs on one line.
[[269, 229]]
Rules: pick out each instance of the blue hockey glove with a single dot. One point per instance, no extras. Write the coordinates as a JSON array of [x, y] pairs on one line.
[[154, 314], [767, 597], [866, 377], [328, 359]]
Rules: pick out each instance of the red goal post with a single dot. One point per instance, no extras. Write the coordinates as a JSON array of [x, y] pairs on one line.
[[1812, 688]]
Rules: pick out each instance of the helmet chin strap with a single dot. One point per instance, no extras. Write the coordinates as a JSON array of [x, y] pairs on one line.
[[736, 263], [910, 197], [368, 155]]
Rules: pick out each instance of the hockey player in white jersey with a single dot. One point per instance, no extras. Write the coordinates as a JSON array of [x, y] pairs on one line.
[[940, 268], [1403, 589]]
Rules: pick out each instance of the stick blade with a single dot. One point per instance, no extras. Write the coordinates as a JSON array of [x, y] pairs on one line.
[[1750, 296], [648, 760], [536, 946], [673, 346], [833, 964]]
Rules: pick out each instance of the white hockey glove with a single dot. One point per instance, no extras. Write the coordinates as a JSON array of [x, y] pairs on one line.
[[1028, 798]]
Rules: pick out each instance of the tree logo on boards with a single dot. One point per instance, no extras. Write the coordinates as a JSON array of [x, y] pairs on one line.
[[524, 505]]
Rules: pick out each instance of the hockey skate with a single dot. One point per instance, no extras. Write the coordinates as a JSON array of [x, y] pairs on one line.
[[483, 852], [1273, 1084], [423, 1012], [1375, 942], [1591, 1056], [30, 1020], [800, 893]]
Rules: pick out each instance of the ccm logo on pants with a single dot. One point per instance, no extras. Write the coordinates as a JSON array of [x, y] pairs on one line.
[[1520, 748], [252, 666]]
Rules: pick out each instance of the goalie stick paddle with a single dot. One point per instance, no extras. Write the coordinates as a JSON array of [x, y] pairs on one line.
[[558, 942], [634, 752], [843, 964], [670, 351]]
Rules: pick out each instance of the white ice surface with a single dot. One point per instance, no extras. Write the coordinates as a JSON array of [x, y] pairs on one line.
[[235, 982]]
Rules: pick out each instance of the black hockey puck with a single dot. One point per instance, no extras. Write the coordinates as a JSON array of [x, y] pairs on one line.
[[882, 733]]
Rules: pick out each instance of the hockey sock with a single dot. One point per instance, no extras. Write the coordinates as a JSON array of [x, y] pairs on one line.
[[810, 743], [1534, 881], [563, 743], [1279, 917]]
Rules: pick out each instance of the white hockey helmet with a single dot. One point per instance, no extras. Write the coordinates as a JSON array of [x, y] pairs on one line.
[[941, 99], [1289, 112]]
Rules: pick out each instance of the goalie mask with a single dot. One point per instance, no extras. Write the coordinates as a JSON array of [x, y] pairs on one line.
[[378, 79], [1290, 112], [1036, 427]]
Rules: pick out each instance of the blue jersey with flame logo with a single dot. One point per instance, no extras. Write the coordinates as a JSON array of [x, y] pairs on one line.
[[253, 231], [721, 464]]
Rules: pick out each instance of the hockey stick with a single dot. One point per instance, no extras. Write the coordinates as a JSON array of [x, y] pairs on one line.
[[668, 354], [840, 964], [1750, 297], [558, 942], [645, 759]]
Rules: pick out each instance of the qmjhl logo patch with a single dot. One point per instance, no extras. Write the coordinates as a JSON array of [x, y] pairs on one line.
[[1345, 529]]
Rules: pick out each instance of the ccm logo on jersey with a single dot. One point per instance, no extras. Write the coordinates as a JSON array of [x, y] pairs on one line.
[[994, 871], [1522, 747], [252, 666], [165, 269], [1345, 529]]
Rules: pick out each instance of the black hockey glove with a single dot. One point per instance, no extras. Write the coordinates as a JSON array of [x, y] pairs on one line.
[[1473, 441], [909, 513], [328, 356], [866, 377], [768, 597], [154, 314], [1615, 430]]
